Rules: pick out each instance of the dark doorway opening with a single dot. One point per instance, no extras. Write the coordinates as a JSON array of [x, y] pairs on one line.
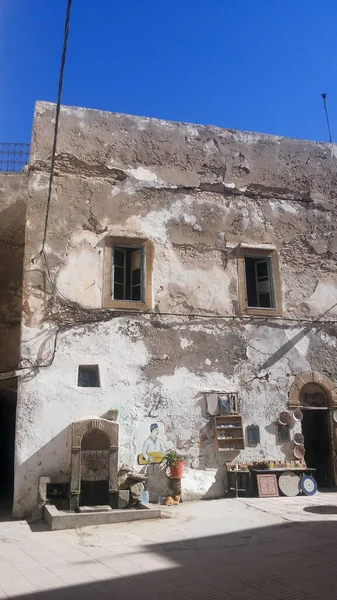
[[94, 493], [7, 439], [316, 431]]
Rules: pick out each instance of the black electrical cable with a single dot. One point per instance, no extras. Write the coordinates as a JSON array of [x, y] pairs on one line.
[[251, 319], [327, 116], [57, 118], [51, 176]]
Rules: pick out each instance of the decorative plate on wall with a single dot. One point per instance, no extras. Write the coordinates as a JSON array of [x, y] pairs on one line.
[[299, 452], [298, 415], [289, 483], [299, 439], [284, 418], [308, 485]]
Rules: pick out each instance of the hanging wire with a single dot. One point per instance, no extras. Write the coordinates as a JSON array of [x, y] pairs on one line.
[[327, 116], [57, 118], [57, 293]]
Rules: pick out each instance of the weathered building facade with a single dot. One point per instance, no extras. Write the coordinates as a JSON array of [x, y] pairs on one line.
[[13, 194], [179, 261]]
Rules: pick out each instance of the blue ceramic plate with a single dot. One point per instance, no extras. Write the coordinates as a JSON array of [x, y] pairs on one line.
[[308, 485]]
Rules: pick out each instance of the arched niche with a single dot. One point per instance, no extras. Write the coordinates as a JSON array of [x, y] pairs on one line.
[[95, 439], [94, 457], [317, 383]]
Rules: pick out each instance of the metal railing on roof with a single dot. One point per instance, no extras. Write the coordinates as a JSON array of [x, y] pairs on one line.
[[14, 156]]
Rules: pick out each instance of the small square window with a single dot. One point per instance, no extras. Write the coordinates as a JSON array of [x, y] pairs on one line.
[[259, 281], [88, 376], [128, 273]]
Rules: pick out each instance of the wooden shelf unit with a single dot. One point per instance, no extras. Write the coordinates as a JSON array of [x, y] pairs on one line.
[[230, 427]]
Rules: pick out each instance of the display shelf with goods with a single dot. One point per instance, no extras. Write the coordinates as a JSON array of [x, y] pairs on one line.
[[229, 432]]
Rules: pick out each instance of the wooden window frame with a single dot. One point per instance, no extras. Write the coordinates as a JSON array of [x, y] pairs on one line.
[[126, 242], [259, 253]]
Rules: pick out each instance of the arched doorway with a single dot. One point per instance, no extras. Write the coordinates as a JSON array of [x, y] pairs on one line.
[[316, 396], [316, 431]]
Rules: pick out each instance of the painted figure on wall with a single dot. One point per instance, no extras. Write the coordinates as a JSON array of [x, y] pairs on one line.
[[153, 448]]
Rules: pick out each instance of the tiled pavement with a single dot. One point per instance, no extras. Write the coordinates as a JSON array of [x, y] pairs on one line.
[[224, 549]]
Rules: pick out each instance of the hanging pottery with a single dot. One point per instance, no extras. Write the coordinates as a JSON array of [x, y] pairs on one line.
[[298, 415], [299, 452], [299, 439], [284, 418]]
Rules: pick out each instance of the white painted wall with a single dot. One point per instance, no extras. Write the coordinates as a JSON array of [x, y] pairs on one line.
[[160, 366]]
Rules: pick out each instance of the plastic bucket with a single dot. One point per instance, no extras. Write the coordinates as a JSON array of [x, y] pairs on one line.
[[161, 500], [145, 497]]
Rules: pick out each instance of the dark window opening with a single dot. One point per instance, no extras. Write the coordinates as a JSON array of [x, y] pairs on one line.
[[128, 272], [88, 376], [259, 282]]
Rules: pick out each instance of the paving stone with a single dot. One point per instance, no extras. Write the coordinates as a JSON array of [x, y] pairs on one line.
[[207, 551]]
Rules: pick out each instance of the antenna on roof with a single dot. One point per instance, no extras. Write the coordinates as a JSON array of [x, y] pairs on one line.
[[327, 116]]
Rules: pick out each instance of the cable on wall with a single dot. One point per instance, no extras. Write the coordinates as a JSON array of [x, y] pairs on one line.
[[57, 118]]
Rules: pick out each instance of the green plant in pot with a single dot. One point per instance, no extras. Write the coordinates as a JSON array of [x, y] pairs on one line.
[[175, 462]]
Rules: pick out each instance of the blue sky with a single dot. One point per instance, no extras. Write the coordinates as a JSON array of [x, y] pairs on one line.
[[258, 65]]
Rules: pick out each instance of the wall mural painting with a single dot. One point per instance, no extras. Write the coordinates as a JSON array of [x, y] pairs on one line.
[[153, 448]]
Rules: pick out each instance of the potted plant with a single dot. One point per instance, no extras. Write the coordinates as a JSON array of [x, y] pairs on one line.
[[175, 462]]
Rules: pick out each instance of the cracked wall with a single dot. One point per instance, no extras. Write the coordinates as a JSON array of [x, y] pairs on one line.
[[13, 192], [196, 192]]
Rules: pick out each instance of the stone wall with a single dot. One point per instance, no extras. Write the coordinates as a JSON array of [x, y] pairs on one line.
[[13, 193], [196, 192]]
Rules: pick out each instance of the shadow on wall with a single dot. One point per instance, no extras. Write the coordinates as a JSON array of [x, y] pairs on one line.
[[294, 560], [288, 346], [12, 235], [52, 460]]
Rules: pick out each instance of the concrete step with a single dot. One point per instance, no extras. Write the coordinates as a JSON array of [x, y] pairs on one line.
[[66, 519]]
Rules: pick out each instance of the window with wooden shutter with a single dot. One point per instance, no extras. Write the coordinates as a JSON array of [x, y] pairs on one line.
[[128, 273], [259, 281]]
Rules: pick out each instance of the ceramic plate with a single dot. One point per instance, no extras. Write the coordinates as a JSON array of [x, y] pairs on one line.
[[299, 439], [298, 415], [335, 416], [289, 483], [284, 418], [308, 485], [299, 451]]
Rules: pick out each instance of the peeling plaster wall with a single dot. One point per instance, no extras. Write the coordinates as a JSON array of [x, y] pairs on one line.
[[196, 192], [13, 194]]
